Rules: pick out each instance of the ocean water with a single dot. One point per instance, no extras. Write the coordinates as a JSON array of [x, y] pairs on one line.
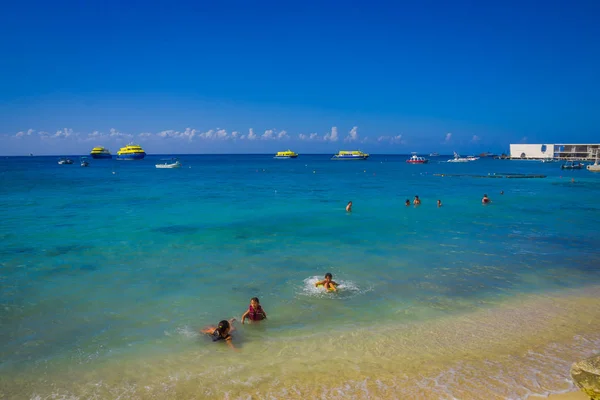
[[108, 272]]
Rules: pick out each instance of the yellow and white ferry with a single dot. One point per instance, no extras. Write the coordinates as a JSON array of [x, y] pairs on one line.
[[131, 152], [100, 152], [286, 154], [350, 155]]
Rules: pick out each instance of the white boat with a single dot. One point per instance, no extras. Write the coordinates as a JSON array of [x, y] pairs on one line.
[[458, 158], [84, 162], [65, 160], [595, 167], [169, 163], [472, 158]]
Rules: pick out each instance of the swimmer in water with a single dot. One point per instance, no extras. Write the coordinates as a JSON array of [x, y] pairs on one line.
[[254, 312], [485, 200], [349, 207], [439, 203], [327, 283], [407, 203], [417, 201], [221, 332]]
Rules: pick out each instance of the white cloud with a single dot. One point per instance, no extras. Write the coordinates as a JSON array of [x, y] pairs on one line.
[[282, 135], [352, 135], [448, 138], [64, 133], [332, 136], [28, 133], [207, 135], [268, 134], [251, 134], [312, 136], [117, 134], [221, 134], [475, 139], [145, 134], [235, 134], [391, 139]]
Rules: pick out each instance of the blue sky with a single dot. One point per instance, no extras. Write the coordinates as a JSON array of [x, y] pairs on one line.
[[317, 77]]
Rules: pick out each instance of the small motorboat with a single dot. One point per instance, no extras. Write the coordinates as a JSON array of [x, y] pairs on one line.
[[65, 160], [84, 162], [572, 165], [595, 167], [415, 159], [169, 163]]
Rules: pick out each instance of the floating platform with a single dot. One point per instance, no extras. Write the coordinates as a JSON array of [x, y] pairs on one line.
[[494, 175]]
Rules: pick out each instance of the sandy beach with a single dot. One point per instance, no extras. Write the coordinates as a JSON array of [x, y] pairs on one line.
[[579, 395]]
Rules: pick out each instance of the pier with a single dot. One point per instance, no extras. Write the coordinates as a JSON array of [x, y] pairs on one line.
[[494, 176]]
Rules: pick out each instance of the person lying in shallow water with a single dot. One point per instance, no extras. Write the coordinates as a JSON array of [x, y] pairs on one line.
[[327, 283], [222, 332]]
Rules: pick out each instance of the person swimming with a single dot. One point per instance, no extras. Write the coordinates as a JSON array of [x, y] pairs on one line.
[[407, 203], [485, 199], [417, 201], [254, 312], [221, 332], [327, 283], [439, 203], [349, 207]]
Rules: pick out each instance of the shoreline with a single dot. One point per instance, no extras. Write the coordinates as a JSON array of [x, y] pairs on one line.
[[515, 350]]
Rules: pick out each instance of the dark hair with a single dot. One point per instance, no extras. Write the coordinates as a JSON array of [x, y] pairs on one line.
[[485, 195], [223, 326], [328, 275], [255, 299]]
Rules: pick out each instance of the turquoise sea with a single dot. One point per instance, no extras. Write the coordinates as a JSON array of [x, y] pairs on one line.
[[108, 272]]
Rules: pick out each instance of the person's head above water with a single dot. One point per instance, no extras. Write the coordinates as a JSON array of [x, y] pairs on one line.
[[328, 276], [222, 329], [254, 302]]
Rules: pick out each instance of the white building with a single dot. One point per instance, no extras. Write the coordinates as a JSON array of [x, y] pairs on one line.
[[556, 151]]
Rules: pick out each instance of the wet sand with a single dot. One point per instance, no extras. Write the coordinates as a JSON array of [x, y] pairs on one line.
[[567, 396]]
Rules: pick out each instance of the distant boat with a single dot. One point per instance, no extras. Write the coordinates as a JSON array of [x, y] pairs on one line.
[[100, 152], [417, 160], [65, 160], [286, 154], [169, 163], [131, 152], [30, 154], [595, 167], [84, 162], [350, 155], [572, 165], [458, 159]]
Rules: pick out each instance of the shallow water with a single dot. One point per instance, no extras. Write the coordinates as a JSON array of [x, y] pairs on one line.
[[108, 272]]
